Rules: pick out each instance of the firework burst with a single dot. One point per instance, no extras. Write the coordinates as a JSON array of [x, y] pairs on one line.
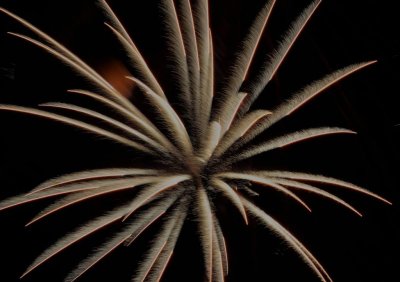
[[200, 146]]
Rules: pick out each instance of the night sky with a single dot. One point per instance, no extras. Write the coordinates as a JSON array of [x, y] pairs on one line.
[[341, 32]]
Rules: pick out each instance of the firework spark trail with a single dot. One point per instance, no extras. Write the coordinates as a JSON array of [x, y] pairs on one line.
[[214, 132]]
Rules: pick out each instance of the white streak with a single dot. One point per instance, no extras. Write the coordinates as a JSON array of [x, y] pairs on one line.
[[140, 121], [116, 186], [230, 194], [265, 182], [79, 124], [287, 140], [276, 59], [323, 179], [168, 114], [151, 191], [239, 130], [283, 233], [93, 174], [108, 120], [205, 230], [301, 98], [315, 190], [211, 140]]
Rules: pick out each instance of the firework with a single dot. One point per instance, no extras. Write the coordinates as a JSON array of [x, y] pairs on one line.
[[201, 146]]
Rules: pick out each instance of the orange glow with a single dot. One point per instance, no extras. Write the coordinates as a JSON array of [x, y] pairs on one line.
[[115, 72]]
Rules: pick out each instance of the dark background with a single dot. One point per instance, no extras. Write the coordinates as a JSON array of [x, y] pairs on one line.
[[341, 32]]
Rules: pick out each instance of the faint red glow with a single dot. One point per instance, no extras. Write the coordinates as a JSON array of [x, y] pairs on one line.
[[115, 73]]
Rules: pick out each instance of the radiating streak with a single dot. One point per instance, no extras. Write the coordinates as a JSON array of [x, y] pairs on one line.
[[73, 277], [115, 123], [110, 121], [76, 236], [138, 62], [145, 225], [283, 233], [155, 252], [93, 174], [64, 52], [286, 140], [337, 76], [257, 28], [168, 114], [168, 258], [222, 245], [85, 195], [195, 37], [202, 26], [230, 194], [190, 32], [249, 191], [302, 97], [137, 119], [156, 255], [121, 237], [208, 96], [265, 182], [108, 89], [176, 48], [245, 124], [176, 25], [127, 42], [229, 110], [323, 179], [205, 101], [276, 59], [142, 122], [218, 271], [205, 229], [171, 244], [291, 36], [211, 140], [315, 190], [151, 191], [65, 189], [99, 255], [240, 128], [78, 124], [244, 58], [163, 259], [192, 56], [115, 21]]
